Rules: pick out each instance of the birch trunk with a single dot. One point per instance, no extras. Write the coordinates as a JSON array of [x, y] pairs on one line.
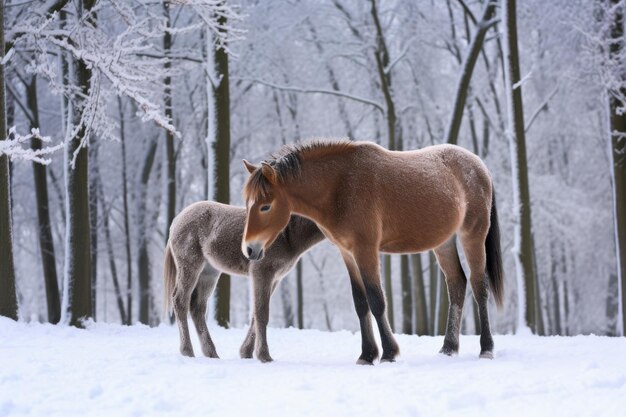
[[618, 155]]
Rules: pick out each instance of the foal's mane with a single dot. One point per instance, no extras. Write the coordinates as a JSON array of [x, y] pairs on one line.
[[287, 163]]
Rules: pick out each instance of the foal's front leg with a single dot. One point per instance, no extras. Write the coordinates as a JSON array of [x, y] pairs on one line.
[[262, 288], [247, 347], [367, 261]]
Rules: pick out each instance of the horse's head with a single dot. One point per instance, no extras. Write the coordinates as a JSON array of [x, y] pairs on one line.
[[267, 209]]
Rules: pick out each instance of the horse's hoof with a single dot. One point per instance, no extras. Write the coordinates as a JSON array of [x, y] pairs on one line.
[[245, 355], [487, 354], [362, 361], [448, 351], [387, 360]]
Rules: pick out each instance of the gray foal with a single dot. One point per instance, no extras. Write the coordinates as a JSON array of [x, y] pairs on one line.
[[208, 235]]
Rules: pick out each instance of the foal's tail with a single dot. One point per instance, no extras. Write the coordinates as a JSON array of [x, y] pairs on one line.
[[169, 279], [494, 256]]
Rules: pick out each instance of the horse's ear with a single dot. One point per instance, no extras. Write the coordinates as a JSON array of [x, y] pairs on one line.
[[268, 172], [250, 167]]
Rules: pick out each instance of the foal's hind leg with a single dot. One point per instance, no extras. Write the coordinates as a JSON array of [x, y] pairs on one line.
[[186, 279], [199, 299], [456, 282], [474, 248], [369, 350]]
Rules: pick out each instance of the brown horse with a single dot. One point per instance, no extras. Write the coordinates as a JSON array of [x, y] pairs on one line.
[[367, 199], [208, 235]]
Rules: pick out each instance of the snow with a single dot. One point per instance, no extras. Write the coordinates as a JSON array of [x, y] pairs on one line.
[[112, 370]]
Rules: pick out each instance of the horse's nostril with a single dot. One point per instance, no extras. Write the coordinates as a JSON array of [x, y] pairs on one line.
[[249, 251]]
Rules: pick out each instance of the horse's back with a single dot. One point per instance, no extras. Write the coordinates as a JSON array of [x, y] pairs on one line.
[[422, 197]]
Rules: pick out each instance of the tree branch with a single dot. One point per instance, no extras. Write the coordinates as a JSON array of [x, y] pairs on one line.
[[315, 91]]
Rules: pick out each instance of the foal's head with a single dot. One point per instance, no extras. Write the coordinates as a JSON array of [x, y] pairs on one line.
[[267, 208]]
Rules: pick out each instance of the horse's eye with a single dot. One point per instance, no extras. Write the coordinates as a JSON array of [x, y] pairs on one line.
[[265, 207]]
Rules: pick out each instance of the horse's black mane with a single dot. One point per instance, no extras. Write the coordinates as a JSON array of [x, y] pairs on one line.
[[287, 163]]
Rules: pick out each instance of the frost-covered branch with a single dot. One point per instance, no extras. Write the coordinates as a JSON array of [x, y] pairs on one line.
[[14, 148]]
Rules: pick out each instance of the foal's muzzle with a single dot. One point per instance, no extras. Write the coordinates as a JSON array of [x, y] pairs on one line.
[[254, 251]]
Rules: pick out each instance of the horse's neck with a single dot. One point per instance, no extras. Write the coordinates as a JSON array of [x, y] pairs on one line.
[[312, 194]]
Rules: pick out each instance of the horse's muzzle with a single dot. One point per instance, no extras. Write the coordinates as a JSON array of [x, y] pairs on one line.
[[254, 252]]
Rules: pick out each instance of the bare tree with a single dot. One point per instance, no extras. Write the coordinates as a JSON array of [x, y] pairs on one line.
[[8, 298], [523, 252]]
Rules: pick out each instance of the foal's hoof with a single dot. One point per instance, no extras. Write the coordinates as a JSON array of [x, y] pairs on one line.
[[448, 351], [486, 354], [265, 358], [387, 360], [187, 352], [244, 354], [362, 361]]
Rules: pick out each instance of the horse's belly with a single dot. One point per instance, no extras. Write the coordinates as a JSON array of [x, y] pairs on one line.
[[411, 244]]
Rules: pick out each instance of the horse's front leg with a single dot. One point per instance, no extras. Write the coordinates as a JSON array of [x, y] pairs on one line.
[[262, 289], [369, 350], [366, 258]]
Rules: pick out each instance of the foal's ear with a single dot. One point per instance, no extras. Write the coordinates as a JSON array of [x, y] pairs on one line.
[[268, 172], [250, 167]]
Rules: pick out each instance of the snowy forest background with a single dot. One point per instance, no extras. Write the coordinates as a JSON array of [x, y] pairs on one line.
[[139, 84]]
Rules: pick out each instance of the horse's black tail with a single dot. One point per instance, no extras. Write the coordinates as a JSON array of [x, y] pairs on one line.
[[494, 256]]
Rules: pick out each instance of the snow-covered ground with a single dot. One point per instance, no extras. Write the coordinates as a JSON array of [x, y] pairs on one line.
[[111, 370]]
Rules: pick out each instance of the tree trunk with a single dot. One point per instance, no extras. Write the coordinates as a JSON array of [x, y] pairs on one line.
[[299, 291], [129, 268], [618, 154], [433, 270], [443, 304], [170, 162], [219, 143], [467, 70], [285, 295], [111, 255], [94, 180], [407, 307], [8, 297], [389, 291], [78, 237], [170, 156], [523, 252], [419, 290], [46, 242], [143, 256]]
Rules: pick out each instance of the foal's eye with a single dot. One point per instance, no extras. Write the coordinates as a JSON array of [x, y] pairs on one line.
[[265, 207]]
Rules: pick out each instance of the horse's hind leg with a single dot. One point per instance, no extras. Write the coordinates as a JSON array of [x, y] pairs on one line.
[[199, 299], [369, 350], [186, 279], [474, 248], [456, 282]]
